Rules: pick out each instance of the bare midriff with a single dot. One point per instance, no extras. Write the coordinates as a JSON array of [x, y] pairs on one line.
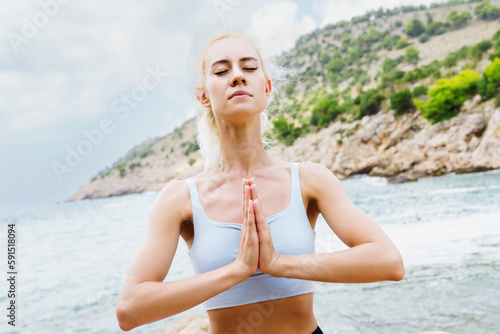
[[290, 315]]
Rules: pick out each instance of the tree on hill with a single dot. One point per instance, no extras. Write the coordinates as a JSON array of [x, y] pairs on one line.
[[414, 28], [424, 37], [402, 101], [326, 111], [458, 20], [286, 131], [389, 64], [448, 95], [411, 54], [401, 43], [435, 28], [371, 36], [369, 102], [490, 81], [429, 18], [486, 11], [324, 58], [336, 64], [387, 42]]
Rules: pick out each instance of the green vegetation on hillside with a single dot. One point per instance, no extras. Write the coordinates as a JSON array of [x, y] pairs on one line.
[[457, 21], [287, 131], [347, 62], [490, 81], [326, 111], [414, 28], [438, 102], [402, 101], [369, 102], [486, 11], [411, 54], [448, 95]]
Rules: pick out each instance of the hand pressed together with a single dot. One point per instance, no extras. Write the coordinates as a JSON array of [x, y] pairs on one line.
[[256, 244]]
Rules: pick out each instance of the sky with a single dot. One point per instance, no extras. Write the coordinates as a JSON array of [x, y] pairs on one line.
[[82, 82]]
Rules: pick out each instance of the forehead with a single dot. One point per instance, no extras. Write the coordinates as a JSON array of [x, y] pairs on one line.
[[231, 48]]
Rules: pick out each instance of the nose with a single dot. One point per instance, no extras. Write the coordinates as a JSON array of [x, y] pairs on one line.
[[238, 77]]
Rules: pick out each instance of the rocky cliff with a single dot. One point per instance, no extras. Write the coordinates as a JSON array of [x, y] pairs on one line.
[[406, 148]]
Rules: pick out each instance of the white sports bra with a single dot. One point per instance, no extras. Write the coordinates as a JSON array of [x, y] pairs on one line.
[[216, 244]]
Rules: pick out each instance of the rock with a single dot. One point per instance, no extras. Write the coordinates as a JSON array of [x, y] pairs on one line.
[[471, 103], [403, 177], [487, 153], [473, 143], [367, 134], [192, 324], [405, 157]]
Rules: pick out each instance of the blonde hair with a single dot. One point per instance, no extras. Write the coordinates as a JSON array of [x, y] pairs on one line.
[[208, 133]]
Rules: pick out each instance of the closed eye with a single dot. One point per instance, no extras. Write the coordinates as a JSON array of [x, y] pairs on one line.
[[247, 68]]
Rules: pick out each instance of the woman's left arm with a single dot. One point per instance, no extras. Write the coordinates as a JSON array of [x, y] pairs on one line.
[[371, 256]]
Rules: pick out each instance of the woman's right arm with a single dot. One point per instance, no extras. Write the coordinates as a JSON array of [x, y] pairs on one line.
[[144, 297]]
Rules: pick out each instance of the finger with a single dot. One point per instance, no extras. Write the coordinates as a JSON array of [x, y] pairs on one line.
[[244, 226], [251, 218], [247, 197], [250, 212], [254, 191], [261, 222], [244, 201]]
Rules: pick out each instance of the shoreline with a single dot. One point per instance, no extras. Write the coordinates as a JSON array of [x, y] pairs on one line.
[[388, 179]]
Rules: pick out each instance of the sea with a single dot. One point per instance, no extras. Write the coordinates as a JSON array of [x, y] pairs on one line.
[[72, 258]]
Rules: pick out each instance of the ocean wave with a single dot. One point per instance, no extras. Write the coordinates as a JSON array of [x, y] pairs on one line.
[[464, 190]]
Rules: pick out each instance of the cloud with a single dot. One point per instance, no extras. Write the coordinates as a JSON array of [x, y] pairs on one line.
[[35, 138], [84, 57], [278, 26], [25, 104]]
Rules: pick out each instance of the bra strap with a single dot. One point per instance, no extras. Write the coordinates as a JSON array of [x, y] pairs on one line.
[[296, 183], [195, 199]]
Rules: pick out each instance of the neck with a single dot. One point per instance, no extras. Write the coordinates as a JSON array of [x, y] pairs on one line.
[[242, 148]]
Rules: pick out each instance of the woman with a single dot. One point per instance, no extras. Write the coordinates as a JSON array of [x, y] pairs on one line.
[[249, 222]]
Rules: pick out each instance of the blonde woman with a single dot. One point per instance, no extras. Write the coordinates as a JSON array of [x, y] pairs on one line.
[[248, 219]]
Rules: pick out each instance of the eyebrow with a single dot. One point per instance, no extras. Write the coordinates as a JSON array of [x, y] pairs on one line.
[[225, 61]]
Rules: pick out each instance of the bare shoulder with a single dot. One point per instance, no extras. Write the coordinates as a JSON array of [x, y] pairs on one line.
[[314, 168], [174, 202], [315, 177], [173, 189]]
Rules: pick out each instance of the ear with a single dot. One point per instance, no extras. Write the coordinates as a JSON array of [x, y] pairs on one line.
[[201, 95], [268, 88]]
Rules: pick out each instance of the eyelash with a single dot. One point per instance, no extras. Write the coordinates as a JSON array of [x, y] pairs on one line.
[[248, 68]]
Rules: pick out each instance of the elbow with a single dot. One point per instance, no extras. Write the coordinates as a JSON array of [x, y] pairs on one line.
[[397, 269], [398, 273], [123, 315]]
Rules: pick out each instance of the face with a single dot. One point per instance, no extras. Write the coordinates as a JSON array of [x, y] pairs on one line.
[[235, 81]]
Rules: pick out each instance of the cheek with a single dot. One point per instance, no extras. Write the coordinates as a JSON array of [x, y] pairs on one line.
[[215, 91]]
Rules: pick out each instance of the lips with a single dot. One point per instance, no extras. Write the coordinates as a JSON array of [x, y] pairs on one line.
[[240, 93]]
